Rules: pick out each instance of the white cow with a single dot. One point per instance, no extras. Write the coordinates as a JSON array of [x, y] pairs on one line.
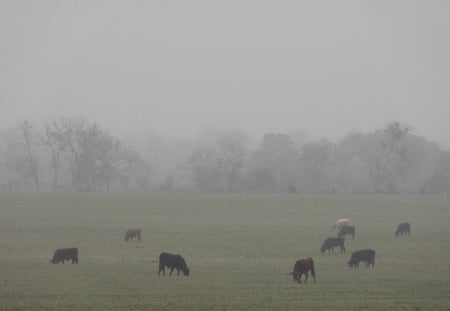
[[342, 223]]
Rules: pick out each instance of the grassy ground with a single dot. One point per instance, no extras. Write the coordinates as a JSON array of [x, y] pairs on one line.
[[239, 248]]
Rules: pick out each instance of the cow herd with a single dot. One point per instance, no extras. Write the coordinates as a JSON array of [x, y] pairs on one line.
[[301, 266], [345, 229]]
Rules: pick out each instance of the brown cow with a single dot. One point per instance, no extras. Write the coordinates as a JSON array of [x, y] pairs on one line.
[[132, 233], [303, 266]]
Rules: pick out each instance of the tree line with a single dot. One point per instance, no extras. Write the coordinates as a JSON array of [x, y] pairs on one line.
[[74, 154]]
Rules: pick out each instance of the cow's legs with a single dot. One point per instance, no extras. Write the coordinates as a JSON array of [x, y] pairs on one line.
[[163, 271], [171, 270], [306, 277]]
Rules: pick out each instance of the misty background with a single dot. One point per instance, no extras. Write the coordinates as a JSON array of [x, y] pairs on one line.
[[225, 96]]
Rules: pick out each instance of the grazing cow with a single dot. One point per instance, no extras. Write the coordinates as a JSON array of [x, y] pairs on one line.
[[347, 230], [132, 233], [331, 243], [63, 254], [365, 255], [172, 262], [403, 229], [341, 223], [302, 266]]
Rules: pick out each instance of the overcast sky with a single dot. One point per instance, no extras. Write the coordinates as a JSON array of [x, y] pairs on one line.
[[323, 67]]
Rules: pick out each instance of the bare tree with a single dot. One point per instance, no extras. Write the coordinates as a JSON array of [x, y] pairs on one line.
[[383, 153], [215, 167], [28, 144], [55, 142], [230, 157]]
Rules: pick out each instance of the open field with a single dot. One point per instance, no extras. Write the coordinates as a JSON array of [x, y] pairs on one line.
[[239, 248]]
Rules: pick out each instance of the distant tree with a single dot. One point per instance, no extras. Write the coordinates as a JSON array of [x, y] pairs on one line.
[[230, 157], [383, 153], [93, 152], [28, 144], [21, 157], [55, 142], [215, 166], [274, 164], [133, 171], [203, 163], [316, 162]]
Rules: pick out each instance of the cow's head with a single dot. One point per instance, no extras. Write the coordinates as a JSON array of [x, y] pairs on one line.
[[322, 249], [186, 271], [350, 264]]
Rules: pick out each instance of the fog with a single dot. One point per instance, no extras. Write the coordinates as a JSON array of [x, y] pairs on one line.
[[323, 68]]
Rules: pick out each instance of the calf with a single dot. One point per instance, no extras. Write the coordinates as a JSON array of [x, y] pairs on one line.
[[347, 230], [365, 255], [172, 262], [403, 229], [63, 254], [303, 266], [331, 243], [133, 233]]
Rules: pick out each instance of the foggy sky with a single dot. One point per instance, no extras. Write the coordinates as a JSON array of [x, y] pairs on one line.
[[322, 67]]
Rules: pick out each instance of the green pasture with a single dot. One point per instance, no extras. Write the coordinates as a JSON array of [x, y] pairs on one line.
[[239, 248]]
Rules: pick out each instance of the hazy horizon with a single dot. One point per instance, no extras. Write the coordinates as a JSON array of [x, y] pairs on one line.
[[323, 69]]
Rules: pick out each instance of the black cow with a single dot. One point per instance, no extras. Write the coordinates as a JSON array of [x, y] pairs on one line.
[[133, 233], [347, 230], [365, 255], [172, 262], [63, 254], [331, 243], [303, 266], [403, 229]]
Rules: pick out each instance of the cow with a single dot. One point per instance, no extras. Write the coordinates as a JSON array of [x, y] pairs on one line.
[[347, 230], [341, 223], [303, 266], [331, 243], [403, 229], [63, 254], [172, 262], [365, 255], [132, 233]]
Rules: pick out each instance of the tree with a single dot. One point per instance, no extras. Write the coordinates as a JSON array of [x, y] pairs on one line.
[[274, 165], [230, 157], [383, 153], [316, 163], [55, 142], [92, 152], [215, 167]]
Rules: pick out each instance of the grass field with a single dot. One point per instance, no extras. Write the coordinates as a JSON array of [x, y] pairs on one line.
[[239, 248]]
